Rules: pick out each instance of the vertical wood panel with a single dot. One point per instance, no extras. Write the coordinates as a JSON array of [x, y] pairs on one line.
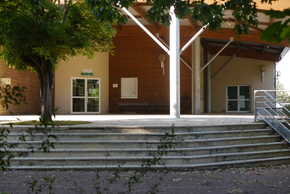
[[138, 56]]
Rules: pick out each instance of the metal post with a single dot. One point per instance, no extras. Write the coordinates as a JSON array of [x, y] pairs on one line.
[[192, 78], [174, 66], [255, 111], [208, 79], [197, 62]]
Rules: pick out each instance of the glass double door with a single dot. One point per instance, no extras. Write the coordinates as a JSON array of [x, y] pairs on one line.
[[238, 98], [85, 95]]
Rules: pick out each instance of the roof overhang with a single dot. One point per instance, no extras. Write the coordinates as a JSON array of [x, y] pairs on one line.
[[245, 45]]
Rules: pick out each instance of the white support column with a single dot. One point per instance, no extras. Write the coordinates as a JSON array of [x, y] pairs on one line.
[[197, 62], [174, 66]]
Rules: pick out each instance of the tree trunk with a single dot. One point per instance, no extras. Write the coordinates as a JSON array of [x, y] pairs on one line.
[[46, 79]]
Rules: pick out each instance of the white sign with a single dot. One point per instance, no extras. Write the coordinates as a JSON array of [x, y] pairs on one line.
[[115, 85], [87, 70]]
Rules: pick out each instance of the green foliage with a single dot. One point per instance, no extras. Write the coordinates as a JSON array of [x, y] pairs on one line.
[[279, 30], [36, 187], [244, 11], [36, 31], [12, 95], [15, 95], [287, 112], [9, 95], [282, 95], [39, 34], [35, 122]]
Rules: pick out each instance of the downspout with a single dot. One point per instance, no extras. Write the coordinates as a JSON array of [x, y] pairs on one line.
[[208, 79]]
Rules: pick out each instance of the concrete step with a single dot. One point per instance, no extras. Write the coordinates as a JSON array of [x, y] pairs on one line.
[[144, 129], [166, 160], [103, 144], [141, 136], [186, 167], [133, 152], [195, 147]]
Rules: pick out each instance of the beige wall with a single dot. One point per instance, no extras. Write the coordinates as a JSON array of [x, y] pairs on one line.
[[240, 71], [73, 68]]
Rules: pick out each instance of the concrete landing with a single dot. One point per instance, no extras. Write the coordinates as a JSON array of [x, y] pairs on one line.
[[144, 120]]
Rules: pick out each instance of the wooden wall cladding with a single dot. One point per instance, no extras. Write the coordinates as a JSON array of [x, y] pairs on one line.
[[32, 93], [136, 55]]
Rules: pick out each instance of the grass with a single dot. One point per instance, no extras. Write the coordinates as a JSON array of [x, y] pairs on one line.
[[35, 122]]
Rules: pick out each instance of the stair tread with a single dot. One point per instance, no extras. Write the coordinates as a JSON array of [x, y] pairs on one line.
[[153, 141], [155, 149], [148, 134], [153, 166], [146, 157]]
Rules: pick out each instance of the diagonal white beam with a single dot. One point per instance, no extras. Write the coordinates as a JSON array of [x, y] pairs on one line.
[[193, 38], [147, 31], [231, 40]]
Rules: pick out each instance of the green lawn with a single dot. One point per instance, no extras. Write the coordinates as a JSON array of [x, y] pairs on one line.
[[35, 122]]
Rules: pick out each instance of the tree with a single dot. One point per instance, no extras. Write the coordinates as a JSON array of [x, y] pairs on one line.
[[282, 96], [38, 34]]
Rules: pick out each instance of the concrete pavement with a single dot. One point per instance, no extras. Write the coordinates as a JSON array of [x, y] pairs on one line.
[[144, 120]]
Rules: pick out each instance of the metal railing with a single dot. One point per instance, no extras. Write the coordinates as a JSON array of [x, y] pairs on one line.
[[270, 108]]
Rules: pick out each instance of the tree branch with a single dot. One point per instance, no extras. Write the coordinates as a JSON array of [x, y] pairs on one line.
[[66, 10]]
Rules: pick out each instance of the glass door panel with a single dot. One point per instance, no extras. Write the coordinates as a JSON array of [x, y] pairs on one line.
[[78, 94], [93, 88], [244, 92], [85, 95], [232, 105], [93, 105], [93, 95], [232, 92], [244, 105], [244, 98], [238, 98], [78, 105]]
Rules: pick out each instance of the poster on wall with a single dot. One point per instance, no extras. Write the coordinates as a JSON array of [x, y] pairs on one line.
[[129, 88]]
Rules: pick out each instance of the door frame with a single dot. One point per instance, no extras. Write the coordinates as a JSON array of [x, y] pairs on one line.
[[238, 100], [86, 96]]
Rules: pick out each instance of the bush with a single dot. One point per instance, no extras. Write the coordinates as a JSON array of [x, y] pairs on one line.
[[285, 111]]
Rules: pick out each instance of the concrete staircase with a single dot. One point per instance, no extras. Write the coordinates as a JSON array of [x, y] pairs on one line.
[[195, 148]]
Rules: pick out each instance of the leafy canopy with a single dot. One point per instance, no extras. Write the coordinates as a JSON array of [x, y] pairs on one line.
[[244, 12], [33, 31]]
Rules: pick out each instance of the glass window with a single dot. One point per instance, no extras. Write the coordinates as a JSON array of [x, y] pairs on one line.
[[78, 87]]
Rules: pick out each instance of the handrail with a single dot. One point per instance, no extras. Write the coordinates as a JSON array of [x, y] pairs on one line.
[[267, 110]]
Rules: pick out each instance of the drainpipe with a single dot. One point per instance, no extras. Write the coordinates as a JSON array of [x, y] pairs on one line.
[[208, 79]]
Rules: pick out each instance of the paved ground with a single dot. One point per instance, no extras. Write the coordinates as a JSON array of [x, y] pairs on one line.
[[146, 120], [262, 180]]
